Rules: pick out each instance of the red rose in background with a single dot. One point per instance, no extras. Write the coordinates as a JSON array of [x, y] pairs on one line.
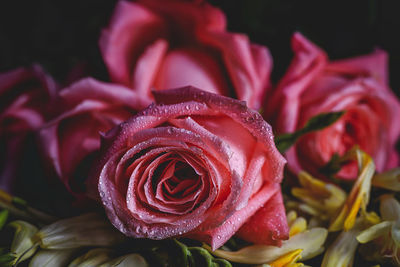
[[195, 164], [71, 141], [25, 96], [168, 44], [359, 86]]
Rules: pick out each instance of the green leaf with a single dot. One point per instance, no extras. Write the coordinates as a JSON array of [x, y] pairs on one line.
[[185, 257], [7, 259], [19, 203], [333, 166], [285, 141], [20, 209], [202, 257], [3, 218]]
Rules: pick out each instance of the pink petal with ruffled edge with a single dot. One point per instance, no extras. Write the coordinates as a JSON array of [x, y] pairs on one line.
[[190, 66], [282, 109], [23, 109], [97, 105], [249, 66], [132, 27]]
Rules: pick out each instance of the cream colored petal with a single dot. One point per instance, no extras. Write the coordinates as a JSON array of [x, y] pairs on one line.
[[127, 261], [341, 252], [22, 245], [389, 208], [374, 232], [389, 180], [93, 257], [85, 230], [52, 258], [310, 241]]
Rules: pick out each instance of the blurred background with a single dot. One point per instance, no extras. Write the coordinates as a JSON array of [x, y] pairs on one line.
[[63, 34]]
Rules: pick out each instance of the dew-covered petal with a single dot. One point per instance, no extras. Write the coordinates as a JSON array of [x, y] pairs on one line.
[[268, 225]]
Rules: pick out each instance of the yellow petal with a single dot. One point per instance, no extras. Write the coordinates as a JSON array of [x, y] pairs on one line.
[[303, 208], [318, 194], [288, 259], [297, 226], [5, 197], [359, 195], [291, 216]]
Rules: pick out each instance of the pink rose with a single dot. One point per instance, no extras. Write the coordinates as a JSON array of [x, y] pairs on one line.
[[195, 164], [25, 95], [313, 85], [168, 44], [71, 141]]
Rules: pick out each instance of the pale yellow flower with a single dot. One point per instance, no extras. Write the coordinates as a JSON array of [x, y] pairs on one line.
[[288, 260], [320, 199], [22, 246], [93, 257], [303, 244], [385, 235], [85, 230], [359, 196], [389, 180], [342, 251]]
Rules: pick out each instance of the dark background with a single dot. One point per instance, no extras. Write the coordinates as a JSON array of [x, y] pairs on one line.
[[61, 34]]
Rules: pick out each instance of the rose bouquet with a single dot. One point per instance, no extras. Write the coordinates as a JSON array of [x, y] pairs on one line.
[[186, 154]]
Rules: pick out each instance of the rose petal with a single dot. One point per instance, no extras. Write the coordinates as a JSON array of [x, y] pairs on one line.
[[268, 226], [195, 67], [218, 236]]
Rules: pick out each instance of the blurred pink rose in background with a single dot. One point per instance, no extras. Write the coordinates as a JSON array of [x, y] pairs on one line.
[[168, 44], [359, 86], [25, 98], [70, 141], [195, 164]]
